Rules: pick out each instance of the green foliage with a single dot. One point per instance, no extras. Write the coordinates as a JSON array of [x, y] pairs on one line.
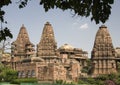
[[10, 75], [1, 69], [118, 67], [101, 80], [87, 68], [90, 81], [2, 4], [23, 3], [7, 74], [4, 33], [82, 82], [102, 77], [84, 69], [61, 82], [24, 80], [117, 81], [99, 9], [108, 77], [113, 78]]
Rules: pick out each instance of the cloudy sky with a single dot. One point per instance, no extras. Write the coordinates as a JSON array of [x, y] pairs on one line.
[[77, 31]]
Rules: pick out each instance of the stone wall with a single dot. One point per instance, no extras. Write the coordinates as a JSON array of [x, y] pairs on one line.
[[50, 72], [26, 70]]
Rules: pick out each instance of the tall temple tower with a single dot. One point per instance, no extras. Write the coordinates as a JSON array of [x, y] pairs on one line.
[[22, 47], [47, 45], [103, 53]]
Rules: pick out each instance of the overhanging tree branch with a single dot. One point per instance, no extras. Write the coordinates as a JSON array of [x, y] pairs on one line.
[[98, 10]]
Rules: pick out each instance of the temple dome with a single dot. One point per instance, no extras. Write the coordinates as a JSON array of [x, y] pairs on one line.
[[66, 47]]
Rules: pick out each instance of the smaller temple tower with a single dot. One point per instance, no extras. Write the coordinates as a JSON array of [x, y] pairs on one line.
[[103, 53], [47, 45], [22, 47]]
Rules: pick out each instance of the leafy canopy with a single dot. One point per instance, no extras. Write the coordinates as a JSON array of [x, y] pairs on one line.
[[98, 10]]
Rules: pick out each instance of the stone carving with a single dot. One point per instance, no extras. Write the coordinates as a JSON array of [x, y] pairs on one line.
[[22, 47], [103, 53], [51, 72], [64, 63], [49, 63], [47, 45]]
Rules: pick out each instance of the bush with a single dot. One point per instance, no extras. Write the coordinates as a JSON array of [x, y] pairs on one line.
[[81, 82], [117, 81], [90, 81], [112, 76], [24, 80], [61, 82], [7, 74]]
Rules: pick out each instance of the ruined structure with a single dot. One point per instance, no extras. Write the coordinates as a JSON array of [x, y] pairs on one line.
[[50, 63], [103, 53]]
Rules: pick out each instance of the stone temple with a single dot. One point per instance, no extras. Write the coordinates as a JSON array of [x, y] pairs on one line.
[[49, 63], [103, 53]]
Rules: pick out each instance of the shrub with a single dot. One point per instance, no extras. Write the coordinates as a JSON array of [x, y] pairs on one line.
[[102, 77], [7, 74], [81, 82], [59, 82], [24, 80]]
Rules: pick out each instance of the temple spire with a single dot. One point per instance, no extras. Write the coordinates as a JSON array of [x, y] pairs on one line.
[[47, 45], [22, 25], [23, 35], [22, 46], [103, 53]]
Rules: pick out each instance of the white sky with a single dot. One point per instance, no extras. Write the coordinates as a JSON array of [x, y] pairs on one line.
[[77, 31]]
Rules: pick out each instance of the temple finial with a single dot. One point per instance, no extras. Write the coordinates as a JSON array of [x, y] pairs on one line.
[[47, 23], [22, 25], [102, 26]]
